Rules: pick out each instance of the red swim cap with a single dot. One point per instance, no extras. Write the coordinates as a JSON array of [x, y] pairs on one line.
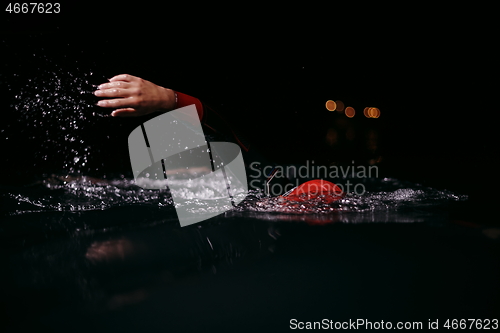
[[315, 188]]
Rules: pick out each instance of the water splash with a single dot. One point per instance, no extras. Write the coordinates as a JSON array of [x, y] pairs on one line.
[[86, 193], [81, 194], [416, 197], [51, 106]]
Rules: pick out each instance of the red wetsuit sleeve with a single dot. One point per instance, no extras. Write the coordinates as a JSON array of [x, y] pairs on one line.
[[210, 118], [185, 100]]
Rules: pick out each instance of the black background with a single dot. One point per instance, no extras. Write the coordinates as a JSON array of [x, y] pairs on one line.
[[432, 76], [273, 69]]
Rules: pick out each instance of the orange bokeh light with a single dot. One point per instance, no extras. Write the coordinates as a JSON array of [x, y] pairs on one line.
[[366, 112], [371, 112], [350, 112], [331, 105], [374, 112]]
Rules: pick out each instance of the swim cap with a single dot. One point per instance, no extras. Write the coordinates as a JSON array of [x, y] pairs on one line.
[[316, 188]]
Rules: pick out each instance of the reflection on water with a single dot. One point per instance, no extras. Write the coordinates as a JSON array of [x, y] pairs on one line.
[[109, 250], [108, 269], [125, 263]]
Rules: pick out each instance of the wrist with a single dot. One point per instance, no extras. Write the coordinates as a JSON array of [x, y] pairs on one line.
[[169, 100]]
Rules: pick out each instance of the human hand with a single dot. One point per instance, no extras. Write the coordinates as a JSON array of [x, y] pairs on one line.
[[135, 96]]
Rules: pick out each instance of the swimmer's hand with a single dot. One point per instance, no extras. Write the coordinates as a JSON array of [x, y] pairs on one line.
[[134, 96]]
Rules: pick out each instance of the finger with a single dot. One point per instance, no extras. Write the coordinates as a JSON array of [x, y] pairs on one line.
[[125, 112], [116, 103], [115, 92], [123, 77], [114, 84]]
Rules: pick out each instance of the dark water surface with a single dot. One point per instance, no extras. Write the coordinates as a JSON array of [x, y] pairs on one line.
[[83, 256]]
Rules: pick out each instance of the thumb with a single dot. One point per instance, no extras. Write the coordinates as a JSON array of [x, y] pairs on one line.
[[125, 112]]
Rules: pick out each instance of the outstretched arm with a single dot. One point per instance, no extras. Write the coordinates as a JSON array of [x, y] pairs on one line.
[[133, 96]]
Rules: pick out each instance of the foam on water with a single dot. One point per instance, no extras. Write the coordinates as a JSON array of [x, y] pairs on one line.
[[86, 193]]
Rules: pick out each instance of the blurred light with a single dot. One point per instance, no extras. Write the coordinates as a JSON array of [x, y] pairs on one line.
[[371, 112], [331, 105], [365, 112], [349, 111], [340, 105]]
